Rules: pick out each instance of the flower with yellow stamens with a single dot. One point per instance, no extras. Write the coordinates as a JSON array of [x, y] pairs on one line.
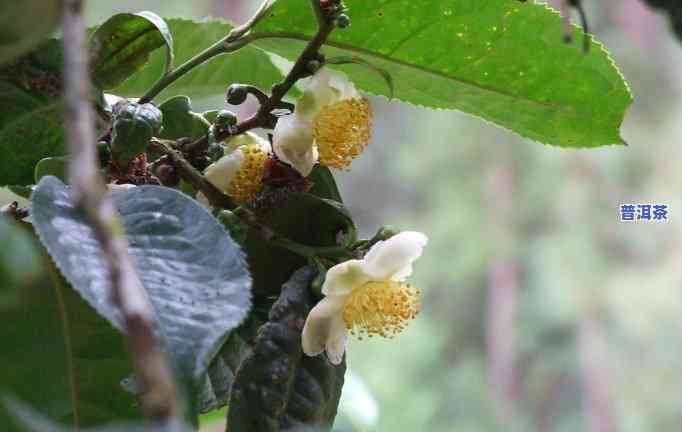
[[239, 173], [332, 122], [367, 297]]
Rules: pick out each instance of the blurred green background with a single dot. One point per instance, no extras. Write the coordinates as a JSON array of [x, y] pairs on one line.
[[542, 312]]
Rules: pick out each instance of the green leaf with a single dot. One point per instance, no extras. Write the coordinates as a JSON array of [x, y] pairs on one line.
[[63, 357], [22, 191], [304, 218], [247, 66], [501, 60], [277, 387], [121, 46], [324, 184], [218, 384], [195, 275], [55, 166], [31, 113], [25, 23], [179, 121]]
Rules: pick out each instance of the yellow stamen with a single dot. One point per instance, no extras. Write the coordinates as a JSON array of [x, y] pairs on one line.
[[342, 131], [249, 179], [381, 308]]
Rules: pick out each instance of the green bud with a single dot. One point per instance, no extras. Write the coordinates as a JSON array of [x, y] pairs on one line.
[[225, 119], [233, 225], [314, 66], [386, 232], [134, 125], [316, 284], [215, 151], [342, 21]]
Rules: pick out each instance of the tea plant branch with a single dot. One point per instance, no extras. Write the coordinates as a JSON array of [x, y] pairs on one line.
[[220, 200], [223, 46], [159, 397], [230, 43], [301, 69]]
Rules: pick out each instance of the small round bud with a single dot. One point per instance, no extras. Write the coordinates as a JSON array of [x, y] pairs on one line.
[[236, 94], [215, 151], [342, 21], [167, 175], [233, 225], [386, 232], [313, 66], [316, 284], [225, 119]]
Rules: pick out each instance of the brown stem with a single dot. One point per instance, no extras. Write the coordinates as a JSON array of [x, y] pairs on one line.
[[214, 195], [300, 70], [159, 394]]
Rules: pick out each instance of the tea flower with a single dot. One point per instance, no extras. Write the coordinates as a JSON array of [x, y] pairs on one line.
[[366, 297], [239, 173], [332, 123]]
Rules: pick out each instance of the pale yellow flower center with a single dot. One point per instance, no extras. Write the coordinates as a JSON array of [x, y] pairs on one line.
[[249, 179], [342, 131], [381, 308]]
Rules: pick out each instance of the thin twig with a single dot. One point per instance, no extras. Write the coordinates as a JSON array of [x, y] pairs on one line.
[[218, 199], [230, 43], [300, 70], [159, 398]]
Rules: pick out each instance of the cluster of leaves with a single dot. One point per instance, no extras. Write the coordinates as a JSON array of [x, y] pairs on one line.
[[214, 297]]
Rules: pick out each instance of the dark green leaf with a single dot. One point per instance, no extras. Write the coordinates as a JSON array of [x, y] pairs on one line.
[[195, 275], [216, 390], [502, 60], [25, 23], [32, 355], [121, 46], [61, 355], [179, 121], [248, 65], [22, 191], [31, 113], [304, 218], [324, 184], [277, 387]]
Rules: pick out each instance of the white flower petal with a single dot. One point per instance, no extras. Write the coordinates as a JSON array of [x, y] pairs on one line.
[[343, 278], [222, 172], [293, 143], [248, 138], [325, 88], [336, 341], [393, 258], [345, 88], [322, 326]]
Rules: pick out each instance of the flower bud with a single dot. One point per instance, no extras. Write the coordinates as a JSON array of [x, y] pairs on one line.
[[236, 94], [342, 21]]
